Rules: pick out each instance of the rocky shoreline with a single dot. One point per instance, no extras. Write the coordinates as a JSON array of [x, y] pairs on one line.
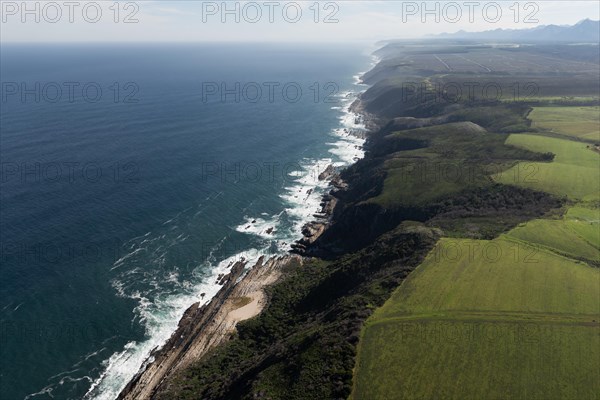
[[203, 327], [312, 230], [241, 296]]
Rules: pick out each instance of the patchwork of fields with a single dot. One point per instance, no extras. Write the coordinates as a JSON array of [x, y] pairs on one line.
[[516, 317], [488, 59]]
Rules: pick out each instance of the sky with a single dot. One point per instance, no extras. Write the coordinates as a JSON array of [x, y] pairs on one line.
[[273, 21]]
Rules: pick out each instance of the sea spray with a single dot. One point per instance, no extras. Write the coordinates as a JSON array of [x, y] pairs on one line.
[[161, 319], [303, 198], [161, 288]]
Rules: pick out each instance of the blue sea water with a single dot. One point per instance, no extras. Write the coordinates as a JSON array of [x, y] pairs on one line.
[[128, 183]]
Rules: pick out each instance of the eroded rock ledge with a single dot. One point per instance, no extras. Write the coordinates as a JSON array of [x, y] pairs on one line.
[[203, 327]]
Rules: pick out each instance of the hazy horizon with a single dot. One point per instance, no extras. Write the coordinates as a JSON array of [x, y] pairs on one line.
[[341, 21]]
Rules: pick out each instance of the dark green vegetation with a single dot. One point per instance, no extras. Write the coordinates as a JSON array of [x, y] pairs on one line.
[[449, 166], [303, 345], [439, 175], [516, 317]]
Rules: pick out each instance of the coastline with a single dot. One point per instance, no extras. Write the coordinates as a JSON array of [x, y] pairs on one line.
[[313, 229], [203, 327], [270, 291], [153, 278]]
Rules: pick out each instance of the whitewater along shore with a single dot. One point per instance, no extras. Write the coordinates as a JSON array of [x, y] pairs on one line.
[[203, 327], [312, 230], [241, 297]]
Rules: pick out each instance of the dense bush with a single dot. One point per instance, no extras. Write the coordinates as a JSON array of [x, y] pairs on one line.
[[303, 345]]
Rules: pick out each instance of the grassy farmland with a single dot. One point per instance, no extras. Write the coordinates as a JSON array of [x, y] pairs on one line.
[[478, 359], [455, 156], [498, 275], [574, 237], [573, 173], [580, 122], [585, 222], [477, 318], [516, 317]]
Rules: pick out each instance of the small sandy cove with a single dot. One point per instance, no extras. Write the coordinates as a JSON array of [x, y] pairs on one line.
[[204, 327]]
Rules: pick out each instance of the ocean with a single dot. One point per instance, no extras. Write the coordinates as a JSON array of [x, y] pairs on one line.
[[132, 175]]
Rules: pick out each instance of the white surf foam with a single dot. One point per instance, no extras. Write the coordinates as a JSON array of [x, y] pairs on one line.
[[267, 229], [160, 318], [302, 196]]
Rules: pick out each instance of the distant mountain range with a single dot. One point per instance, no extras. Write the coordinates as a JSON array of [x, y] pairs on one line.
[[583, 31]]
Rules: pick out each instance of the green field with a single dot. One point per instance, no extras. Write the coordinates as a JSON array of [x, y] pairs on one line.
[[586, 221], [573, 236], [421, 180], [581, 122], [573, 173], [496, 275], [516, 317], [552, 101], [456, 156], [492, 360], [485, 320]]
